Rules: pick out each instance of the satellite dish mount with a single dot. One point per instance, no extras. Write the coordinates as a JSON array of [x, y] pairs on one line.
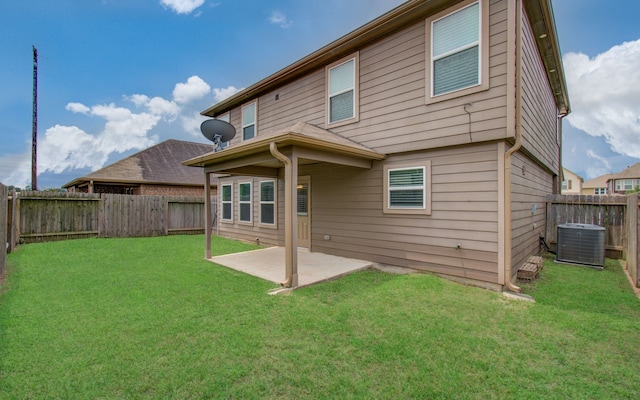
[[218, 131]]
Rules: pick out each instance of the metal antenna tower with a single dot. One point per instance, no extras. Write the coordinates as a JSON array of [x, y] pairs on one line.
[[34, 125]]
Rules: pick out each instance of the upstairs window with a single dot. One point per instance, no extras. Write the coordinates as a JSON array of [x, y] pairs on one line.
[[249, 121], [457, 50], [225, 118], [342, 91]]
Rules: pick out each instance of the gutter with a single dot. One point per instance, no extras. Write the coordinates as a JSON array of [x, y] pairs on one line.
[[507, 156]]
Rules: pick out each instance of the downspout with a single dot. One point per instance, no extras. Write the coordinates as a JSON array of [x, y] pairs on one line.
[[507, 156], [273, 148]]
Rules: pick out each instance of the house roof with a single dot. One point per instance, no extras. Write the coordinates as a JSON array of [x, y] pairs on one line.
[[632, 172], [567, 171], [598, 182], [300, 134], [542, 21], [159, 164]]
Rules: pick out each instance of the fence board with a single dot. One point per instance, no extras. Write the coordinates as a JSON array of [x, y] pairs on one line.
[[606, 211], [633, 264], [4, 202], [46, 216]]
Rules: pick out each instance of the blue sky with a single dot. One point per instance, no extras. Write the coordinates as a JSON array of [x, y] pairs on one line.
[[116, 76]]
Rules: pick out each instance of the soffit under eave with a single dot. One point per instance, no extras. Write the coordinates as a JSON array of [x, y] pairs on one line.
[[260, 145], [544, 29], [263, 163]]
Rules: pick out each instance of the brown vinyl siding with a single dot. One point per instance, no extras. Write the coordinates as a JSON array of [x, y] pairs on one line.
[[393, 114], [539, 110], [347, 206], [529, 186], [464, 138], [250, 232]]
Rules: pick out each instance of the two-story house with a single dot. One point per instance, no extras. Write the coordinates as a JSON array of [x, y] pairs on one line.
[[571, 182], [427, 139], [596, 186], [625, 181]]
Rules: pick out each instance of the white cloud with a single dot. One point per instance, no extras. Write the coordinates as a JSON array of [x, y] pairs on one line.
[[168, 110], [194, 89], [191, 123], [605, 95], [69, 147], [15, 169], [182, 6], [280, 19], [598, 167], [78, 108], [220, 94], [65, 148]]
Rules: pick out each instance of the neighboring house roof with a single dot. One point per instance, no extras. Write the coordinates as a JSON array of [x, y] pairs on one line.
[[159, 164], [632, 172], [598, 182], [542, 22], [567, 171]]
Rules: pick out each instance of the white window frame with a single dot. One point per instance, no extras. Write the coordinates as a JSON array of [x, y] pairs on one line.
[[483, 52], [255, 119], [226, 117], [274, 202], [426, 188], [223, 202], [356, 90], [600, 191], [245, 202]]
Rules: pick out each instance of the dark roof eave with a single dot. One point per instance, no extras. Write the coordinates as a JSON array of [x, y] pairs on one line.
[[293, 139], [399, 17], [544, 29], [85, 180]]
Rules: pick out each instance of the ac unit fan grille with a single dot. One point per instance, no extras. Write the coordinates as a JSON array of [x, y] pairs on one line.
[[581, 244]]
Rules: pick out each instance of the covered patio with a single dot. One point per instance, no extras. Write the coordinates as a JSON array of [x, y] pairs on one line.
[[313, 268], [264, 155]]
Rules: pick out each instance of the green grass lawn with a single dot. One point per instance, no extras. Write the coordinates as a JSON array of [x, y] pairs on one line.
[[149, 318]]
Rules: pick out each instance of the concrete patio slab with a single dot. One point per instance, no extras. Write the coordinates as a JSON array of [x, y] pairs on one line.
[[269, 264]]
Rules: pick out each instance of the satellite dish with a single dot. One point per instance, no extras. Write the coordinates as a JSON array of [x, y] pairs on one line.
[[218, 131]]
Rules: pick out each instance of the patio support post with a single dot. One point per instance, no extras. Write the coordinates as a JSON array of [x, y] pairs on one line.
[[290, 212], [207, 214]]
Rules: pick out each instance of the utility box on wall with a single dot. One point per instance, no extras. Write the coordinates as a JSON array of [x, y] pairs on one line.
[[581, 244]]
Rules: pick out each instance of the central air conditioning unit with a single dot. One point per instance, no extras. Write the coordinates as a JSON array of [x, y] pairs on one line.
[[581, 244]]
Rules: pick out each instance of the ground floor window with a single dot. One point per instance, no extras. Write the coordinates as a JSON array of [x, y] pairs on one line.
[[244, 201], [227, 204], [268, 202], [408, 188], [600, 190]]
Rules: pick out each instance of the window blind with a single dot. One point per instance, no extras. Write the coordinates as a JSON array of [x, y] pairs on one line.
[[341, 106], [303, 193], [406, 188], [456, 30], [456, 71], [341, 77]]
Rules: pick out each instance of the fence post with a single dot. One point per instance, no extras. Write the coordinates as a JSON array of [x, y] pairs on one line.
[[4, 205], [632, 237]]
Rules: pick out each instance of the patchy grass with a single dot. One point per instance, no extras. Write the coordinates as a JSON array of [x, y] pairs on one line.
[[149, 318]]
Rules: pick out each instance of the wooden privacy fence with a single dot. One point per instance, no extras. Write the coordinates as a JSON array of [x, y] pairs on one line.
[[4, 205], [617, 214], [46, 216]]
